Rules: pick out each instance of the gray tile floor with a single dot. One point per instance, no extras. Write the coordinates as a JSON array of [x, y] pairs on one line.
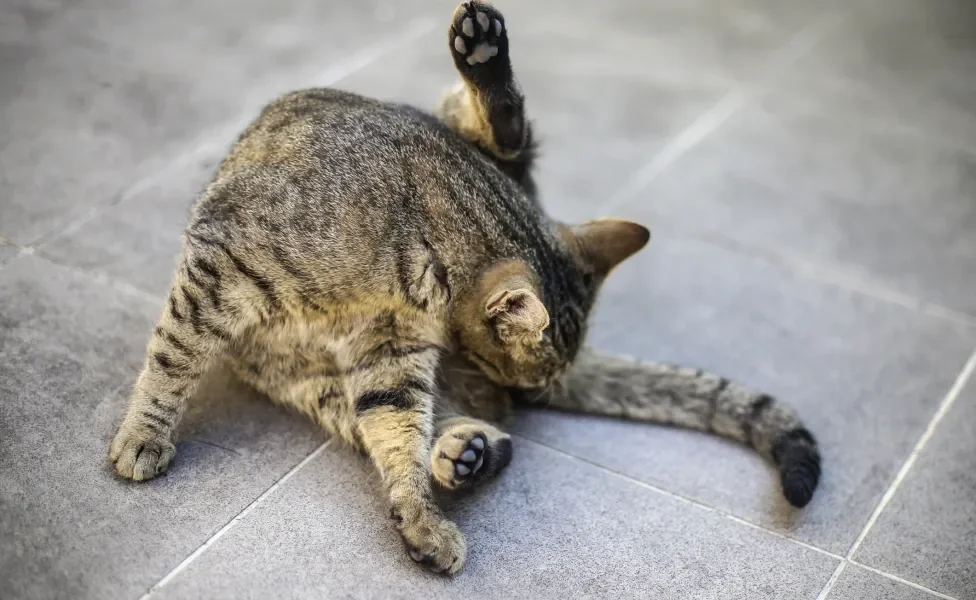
[[809, 171]]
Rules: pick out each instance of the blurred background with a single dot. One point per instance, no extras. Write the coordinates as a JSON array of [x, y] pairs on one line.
[[808, 170]]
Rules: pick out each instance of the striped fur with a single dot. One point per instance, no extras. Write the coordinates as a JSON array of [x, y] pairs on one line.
[[391, 275], [694, 399]]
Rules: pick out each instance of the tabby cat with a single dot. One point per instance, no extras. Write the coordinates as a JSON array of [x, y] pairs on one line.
[[391, 275]]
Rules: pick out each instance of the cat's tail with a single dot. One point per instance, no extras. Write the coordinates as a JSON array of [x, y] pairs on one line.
[[658, 393]]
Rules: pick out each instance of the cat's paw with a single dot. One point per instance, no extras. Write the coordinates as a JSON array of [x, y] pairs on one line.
[[436, 543], [458, 458], [479, 42], [139, 451]]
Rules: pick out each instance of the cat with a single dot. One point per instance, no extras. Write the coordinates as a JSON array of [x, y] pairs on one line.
[[391, 274]]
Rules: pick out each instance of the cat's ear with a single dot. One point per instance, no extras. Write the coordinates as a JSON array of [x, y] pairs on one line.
[[517, 314], [605, 243]]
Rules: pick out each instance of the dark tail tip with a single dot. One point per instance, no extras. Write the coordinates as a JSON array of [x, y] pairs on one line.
[[799, 466]]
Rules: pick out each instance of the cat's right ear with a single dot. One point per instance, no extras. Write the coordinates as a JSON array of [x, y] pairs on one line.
[[605, 243], [517, 314]]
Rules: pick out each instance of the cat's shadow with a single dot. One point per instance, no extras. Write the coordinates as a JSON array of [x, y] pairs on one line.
[[225, 421], [229, 415]]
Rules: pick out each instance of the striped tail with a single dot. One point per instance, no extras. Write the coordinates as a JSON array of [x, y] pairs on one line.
[[684, 397]]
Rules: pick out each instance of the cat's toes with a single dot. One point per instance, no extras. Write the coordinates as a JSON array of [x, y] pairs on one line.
[[469, 462], [477, 34], [459, 458], [140, 453], [436, 543]]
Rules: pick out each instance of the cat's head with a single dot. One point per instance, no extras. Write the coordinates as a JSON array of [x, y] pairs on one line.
[[522, 326]]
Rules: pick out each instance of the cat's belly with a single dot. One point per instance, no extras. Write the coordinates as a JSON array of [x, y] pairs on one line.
[[320, 366]]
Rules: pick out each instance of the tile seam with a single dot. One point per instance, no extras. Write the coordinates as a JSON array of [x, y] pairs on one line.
[[220, 135], [201, 549], [682, 498], [799, 44], [944, 406], [843, 561]]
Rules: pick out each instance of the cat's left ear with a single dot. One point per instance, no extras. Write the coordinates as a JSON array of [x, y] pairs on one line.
[[517, 314], [605, 243]]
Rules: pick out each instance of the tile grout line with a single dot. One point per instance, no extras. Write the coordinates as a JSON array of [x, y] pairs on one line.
[[940, 413], [678, 146], [119, 284], [712, 119], [835, 274], [221, 135], [832, 581], [902, 581], [18, 251], [237, 518], [5, 242], [682, 498], [736, 519], [891, 576]]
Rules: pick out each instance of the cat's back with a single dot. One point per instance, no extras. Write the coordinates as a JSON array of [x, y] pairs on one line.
[[338, 142], [321, 170], [326, 184], [332, 161]]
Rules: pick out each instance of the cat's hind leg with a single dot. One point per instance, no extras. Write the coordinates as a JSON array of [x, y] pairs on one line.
[[487, 107], [468, 452], [203, 315]]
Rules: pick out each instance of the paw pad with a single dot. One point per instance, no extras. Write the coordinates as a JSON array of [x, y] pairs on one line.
[[471, 459], [461, 457], [477, 33]]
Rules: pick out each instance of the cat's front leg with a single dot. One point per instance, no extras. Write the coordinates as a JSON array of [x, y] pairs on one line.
[[395, 423]]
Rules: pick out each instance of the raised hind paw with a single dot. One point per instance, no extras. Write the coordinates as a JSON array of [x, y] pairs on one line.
[[479, 43]]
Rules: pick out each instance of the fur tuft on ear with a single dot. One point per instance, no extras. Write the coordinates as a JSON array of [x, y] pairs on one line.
[[517, 314], [605, 243]]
